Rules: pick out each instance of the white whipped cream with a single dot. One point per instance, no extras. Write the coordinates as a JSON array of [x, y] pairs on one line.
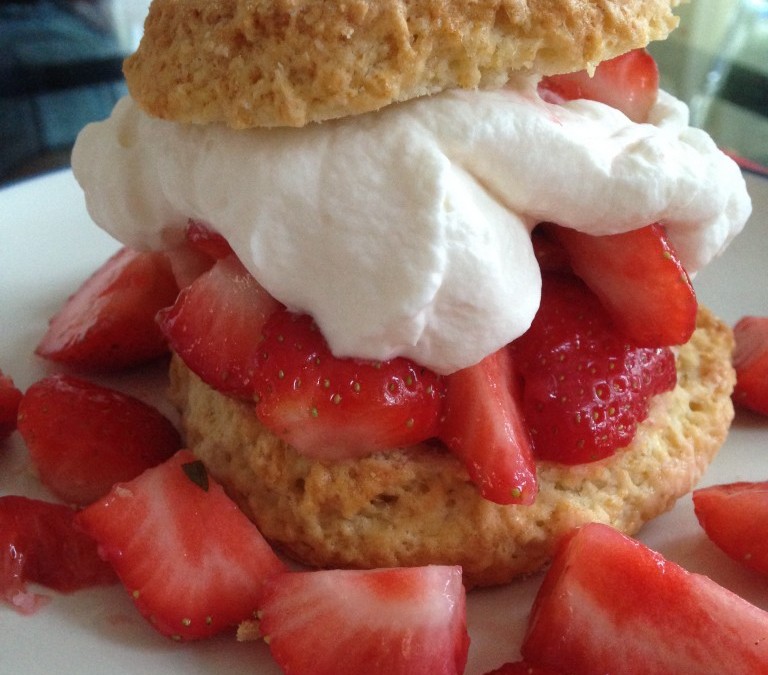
[[407, 231]]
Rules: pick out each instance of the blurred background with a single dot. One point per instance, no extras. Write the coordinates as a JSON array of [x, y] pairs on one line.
[[60, 68]]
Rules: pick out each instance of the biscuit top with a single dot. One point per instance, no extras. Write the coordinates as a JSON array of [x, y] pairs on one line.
[[265, 63]]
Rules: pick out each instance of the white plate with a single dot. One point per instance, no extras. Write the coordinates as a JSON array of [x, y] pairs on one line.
[[48, 245]]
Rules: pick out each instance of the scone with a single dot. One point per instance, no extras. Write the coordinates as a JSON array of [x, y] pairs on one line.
[[388, 169], [417, 505]]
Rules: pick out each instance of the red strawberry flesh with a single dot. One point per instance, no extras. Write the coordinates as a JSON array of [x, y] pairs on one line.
[[609, 604], [750, 359], [192, 562], [391, 621], [83, 438]]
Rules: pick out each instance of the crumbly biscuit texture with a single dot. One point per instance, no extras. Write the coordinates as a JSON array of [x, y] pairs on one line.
[[255, 63], [417, 506]]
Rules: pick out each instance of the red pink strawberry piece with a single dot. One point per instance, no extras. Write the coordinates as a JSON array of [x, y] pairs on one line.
[[640, 281], [629, 83], [83, 438], [10, 397], [407, 621], [735, 517], [337, 408], [585, 385], [190, 559], [611, 605], [40, 544], [750, 359], [483, 425], [215, 326], [207, 240], [109, 323]]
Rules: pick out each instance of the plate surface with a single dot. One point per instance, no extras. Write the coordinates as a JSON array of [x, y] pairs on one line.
[[48, 246]]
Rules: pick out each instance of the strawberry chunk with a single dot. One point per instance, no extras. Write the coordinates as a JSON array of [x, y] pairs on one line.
[[192, 562], [629, 83], [609, 604], [215, 326], [207, 241], [639, 279], [750, 360], [83, 438], [337, 408], [585, 386], [39, 544], [109, 323], [10, 397], [347, 622], [483, 425], [735, 517]]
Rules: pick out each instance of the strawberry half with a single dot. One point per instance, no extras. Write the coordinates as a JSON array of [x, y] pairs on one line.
[[629, 83], [215, 326], [40, 544], [10, 398], [483, 425], [585, 386], [83, 438], [109, 323], [338, 408], [192, 562], [346, 622], [750, 359], [640, 280], [609, 604], [735, 517]]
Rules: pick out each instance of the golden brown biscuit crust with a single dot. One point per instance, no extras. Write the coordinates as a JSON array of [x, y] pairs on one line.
[[417, 506], [255, 63]]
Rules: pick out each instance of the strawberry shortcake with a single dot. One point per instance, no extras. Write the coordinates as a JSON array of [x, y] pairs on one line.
[[435, 263]]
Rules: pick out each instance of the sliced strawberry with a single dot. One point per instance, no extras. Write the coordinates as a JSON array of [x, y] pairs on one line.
[[207, 241], [585, 386], [39, 544], [639, 279], [611, 605], [346, 622], [550, 253], [215, 326], [483, 425], [192, 562], [750, 359], [188, 263], [10, 397], [522, 668], [109, 323], [334, 408], [735, 517], [629, 83], [83, 438]]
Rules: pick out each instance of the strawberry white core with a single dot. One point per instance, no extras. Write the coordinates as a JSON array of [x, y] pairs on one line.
[[406, 232]]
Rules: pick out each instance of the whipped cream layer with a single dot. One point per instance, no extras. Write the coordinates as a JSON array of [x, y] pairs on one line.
[[406, 232]]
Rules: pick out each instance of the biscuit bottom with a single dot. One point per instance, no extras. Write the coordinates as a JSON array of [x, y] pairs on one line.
[[417, 506]]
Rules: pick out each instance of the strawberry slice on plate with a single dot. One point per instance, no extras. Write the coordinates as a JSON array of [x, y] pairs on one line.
[[522, 668], [483, 425], [387, 621], [109, 323], [192, 562], [611, 605], [83, 438], [750, 360], [735, 517], [215, 326], [629, 83], [640, 280], [40, 544], [585, 385], [337, 408], [10, 397]]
